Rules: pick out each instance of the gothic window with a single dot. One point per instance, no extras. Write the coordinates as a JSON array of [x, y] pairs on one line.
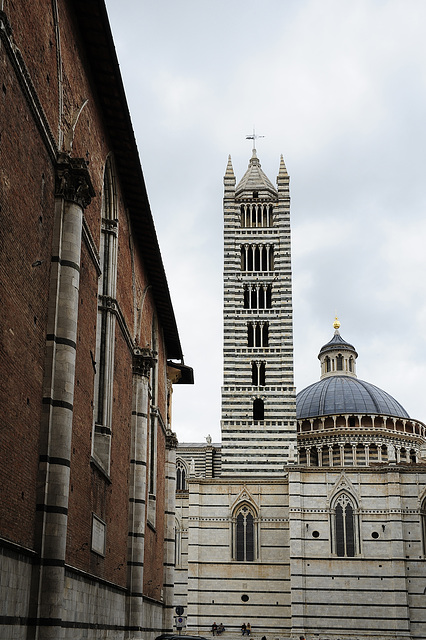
[[265, 335], [423, 524], [257, 296], [344, 526], [180, 476], [246, 297], [257, 334], [327, 364], [351, 364], [257, 257], [106, 321], [256, 214], [245, 534], [250, 334], [339, 362], [258, 409], [258, 373]]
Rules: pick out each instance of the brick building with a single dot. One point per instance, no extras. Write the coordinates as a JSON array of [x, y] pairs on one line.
[[89, 344]]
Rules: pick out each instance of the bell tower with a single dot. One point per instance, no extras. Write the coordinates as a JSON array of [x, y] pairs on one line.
[[258, 396]]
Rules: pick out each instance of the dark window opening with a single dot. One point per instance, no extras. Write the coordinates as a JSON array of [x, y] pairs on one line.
[[339, 362], [345, 530], [258, 409], [244, 536]]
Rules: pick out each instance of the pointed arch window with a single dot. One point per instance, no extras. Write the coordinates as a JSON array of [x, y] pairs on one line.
[[339, 362], [181, 474], [245, 534], [344, 533], [105, 332], [327, 364]]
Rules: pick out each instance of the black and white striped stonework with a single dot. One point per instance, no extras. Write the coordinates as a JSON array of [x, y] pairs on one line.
[[258, 399]]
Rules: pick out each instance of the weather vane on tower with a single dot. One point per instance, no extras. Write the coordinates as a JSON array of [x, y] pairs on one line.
[[254, 137]]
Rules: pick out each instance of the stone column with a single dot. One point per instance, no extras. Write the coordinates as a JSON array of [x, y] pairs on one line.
[[169, 534], [73, 192], [143, 360]]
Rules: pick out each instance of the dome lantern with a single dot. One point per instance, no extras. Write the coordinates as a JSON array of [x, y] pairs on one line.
[[337, 357]]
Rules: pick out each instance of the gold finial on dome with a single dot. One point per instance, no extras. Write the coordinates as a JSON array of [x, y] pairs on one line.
[[336, 323]]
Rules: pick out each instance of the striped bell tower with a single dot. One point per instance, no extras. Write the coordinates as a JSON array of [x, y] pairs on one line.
[[258, 396]]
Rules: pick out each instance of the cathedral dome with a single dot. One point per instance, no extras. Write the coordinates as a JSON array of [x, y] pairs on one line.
[[339, 391], [339, 394]]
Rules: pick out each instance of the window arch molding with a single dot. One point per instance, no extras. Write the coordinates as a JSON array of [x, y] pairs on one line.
[[245, 532], [344, 525]]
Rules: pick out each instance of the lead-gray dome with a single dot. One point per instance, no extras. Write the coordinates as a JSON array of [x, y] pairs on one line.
[[339, 394]]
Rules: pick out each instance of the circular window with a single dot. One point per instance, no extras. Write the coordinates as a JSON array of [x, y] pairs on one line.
[[375, 535], [245, 597], [315, 534]]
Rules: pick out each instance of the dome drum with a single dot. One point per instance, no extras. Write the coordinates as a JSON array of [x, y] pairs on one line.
[[363, 452]]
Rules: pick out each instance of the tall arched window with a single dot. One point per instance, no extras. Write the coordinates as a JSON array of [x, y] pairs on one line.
[[105, 337], [180, 476], [344, 526], [245, 534]]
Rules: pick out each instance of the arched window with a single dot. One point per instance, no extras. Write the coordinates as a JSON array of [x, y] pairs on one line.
[[258, 409], [344, 526], [245, 534], [327, 364], [105, 340], [258, 373], [180, 476], [339, 362], [351, 364]]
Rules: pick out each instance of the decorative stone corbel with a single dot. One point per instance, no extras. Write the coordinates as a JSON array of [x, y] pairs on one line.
[[73, 181]]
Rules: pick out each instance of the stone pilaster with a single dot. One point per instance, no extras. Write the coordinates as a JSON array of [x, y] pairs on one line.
[[169, 534], [73, 192], [143, 360]]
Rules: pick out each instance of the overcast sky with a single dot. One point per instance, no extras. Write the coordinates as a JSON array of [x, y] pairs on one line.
[[339, 88]]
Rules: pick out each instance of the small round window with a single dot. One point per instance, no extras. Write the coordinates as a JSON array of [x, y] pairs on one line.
[[245, 597]]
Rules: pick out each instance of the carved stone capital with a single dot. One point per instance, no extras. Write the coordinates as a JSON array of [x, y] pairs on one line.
[[143, 361], [171, 440], [73, 180]]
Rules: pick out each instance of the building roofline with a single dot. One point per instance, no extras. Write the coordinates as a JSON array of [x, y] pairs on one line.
[[92, 19]]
